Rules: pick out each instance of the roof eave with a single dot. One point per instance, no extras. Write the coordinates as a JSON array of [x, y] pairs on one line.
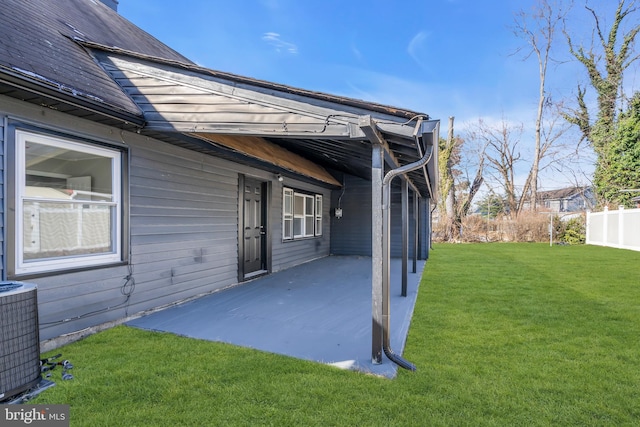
[[351, 102], [68, 96]]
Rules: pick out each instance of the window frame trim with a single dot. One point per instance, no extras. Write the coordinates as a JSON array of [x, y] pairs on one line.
[[318, 216], [287, 217], [304, 216], [315, 216], [15, 265]]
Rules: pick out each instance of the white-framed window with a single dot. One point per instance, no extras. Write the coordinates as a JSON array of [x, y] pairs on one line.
[[318, 230], [68, 204], [301, 214], [287, 214]]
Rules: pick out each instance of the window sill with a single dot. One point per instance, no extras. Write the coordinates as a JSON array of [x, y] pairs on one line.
[[28, 276], [298, 239]]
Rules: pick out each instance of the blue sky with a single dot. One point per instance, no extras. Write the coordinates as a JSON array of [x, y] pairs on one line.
[[440, 57]]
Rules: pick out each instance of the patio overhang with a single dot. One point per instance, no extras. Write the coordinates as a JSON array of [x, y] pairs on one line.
[[307, 134], [302, 132]]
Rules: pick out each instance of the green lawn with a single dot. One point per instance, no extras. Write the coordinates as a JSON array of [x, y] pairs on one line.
[[502, 334]]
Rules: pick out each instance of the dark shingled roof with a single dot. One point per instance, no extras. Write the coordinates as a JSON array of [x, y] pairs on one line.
[[49, 42], [49, 53], [560, 194], [38, 43]]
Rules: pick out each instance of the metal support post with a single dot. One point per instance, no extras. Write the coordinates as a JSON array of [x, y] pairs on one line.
[[416, 232], [377, 172], [405, 235]]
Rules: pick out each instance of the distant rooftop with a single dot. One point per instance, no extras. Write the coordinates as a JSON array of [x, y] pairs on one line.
[[113, 4], [561, 193]]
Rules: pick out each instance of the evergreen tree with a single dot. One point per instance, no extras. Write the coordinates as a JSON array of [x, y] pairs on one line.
[[619, 167]]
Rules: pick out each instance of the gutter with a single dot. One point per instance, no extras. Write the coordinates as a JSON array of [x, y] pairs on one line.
[[427, 127], [386, 253], [68, 96]]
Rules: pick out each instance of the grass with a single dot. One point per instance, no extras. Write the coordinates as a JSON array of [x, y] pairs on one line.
[[502, 334]]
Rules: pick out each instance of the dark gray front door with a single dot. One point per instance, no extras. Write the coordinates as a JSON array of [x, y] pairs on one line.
[[254, 227]]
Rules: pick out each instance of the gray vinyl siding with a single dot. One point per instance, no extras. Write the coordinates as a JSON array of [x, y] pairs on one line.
[[396, 226], [184, 226], [2, 200], [183, 217], [396, 223], [351, 234], [183, 236], [424, 240]]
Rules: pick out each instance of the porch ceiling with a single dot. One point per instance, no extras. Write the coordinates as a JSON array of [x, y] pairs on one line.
[[270, 152]]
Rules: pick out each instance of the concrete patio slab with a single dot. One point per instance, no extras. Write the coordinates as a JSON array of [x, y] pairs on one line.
[[319, 311]]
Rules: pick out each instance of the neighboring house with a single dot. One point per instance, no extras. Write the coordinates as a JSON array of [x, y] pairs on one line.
[[134, 178], [570, 199]]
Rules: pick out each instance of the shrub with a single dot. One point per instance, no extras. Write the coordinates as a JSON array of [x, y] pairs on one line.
[[527, 227], [574, 231]]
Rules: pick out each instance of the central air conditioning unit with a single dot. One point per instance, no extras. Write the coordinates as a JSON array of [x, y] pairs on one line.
[[19, 338]]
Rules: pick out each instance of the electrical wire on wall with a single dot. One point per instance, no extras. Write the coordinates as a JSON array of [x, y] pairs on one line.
[[126, 290], [128, 287], [338, 212]]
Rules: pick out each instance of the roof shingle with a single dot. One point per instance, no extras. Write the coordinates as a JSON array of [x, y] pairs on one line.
[[37, 41]]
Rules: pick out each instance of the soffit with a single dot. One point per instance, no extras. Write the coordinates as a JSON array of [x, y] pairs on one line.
[[261, 149]]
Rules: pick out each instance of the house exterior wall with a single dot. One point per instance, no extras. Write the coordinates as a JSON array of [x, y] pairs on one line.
[[351, 234], [576, 201], [289, 253], [183, 218], [581, 202], [396, 225], [2, 194]]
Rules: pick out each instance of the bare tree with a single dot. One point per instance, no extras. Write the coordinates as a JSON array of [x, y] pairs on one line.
[[502, 153], [474, 187], [449, 156], [456, 190], [552, 152], [538, 29]]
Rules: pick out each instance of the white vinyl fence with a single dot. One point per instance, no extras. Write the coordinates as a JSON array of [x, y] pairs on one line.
[[618, 229]]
